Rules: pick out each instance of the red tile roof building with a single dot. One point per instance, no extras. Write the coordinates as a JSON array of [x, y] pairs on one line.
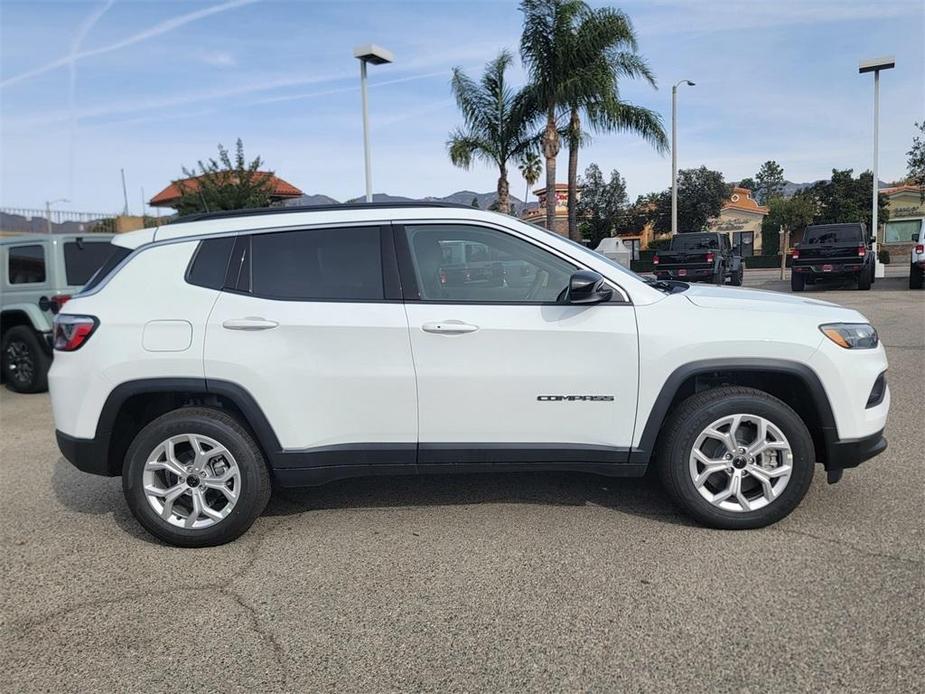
[[170, 196]]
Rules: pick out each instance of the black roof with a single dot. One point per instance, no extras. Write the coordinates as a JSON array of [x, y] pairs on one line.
[[253, 212]]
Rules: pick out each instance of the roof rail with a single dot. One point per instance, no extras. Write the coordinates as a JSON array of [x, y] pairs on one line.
[[256, 211]]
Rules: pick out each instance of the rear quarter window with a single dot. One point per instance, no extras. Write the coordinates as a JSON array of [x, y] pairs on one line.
[[210, 262], [116, 255], [83, 258]]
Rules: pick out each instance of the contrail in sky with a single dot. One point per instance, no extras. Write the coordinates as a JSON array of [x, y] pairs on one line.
[[82, 32], [156, 30]]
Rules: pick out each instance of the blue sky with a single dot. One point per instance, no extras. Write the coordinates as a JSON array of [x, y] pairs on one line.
[[87, 88]]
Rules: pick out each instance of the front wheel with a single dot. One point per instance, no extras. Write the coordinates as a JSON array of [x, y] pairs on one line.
[[194, 477], [736, 458], [737, 277]]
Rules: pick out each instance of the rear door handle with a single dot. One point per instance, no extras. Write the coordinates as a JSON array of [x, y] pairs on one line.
[[449, 327], [249, 323]]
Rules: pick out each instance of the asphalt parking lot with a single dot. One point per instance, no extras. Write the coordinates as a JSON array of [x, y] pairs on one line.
[[477, 583]]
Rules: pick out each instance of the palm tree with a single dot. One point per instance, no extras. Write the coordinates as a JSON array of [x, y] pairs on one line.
[[552, 60], [598, 96], [574, 56], [497, 122], [531, 166]]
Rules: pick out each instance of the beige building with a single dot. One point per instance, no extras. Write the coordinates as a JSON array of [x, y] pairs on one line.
[[741, 219], [537, 215], [906, 204]]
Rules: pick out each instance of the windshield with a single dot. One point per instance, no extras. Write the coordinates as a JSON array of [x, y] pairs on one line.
[[849, 233], [694, 242]]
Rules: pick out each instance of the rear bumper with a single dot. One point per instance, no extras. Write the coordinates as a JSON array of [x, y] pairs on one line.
[[834, 269], [87, 455]]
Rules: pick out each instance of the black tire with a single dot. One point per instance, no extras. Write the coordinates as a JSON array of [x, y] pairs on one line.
[[218, 425], [915, 277], [737, 278], [865, 279], [25, 364], [695, 414], [796, 282], [719, 277]]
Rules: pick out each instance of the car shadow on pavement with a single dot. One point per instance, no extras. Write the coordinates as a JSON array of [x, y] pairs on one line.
[[90, 494], [95, 495], [640, 497]]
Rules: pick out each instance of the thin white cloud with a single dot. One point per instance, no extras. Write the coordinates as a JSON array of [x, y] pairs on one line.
[[218, 59], [157, 30]]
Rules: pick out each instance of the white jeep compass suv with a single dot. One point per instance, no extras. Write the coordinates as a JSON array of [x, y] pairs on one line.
[[295, 347]]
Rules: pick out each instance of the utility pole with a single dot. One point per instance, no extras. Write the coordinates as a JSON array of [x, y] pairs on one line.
[[48, 204], [124, 194], [674, 154]]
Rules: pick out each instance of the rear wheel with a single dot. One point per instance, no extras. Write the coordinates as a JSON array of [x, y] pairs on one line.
[[737, 278], [24, 362], [915, 277], [719, 277], [796, 282], [865, 279], [736, 458], [195, 477]]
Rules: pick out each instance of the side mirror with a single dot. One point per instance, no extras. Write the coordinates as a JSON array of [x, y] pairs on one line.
[[587, 287]]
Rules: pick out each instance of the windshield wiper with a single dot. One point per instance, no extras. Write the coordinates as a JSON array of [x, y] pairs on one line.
[[670, 286]]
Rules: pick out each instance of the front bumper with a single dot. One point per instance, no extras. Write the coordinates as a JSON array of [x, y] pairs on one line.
[[85, 454], [844, 454]]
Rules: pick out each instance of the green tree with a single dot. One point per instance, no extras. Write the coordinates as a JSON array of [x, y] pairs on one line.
[[497, 122], [769, 182], [531, 167], [701, 195], [223, 184], [844, 198], [654, 208], [602, 203], [595, 93], [916, 158], [748, 183], [793, 214]]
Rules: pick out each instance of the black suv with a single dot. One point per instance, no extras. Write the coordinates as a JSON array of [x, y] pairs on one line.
[[833, 250], [699, 256]]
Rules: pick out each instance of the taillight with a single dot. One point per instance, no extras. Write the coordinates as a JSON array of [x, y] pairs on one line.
[[710, 257], [71, 332], [920, 248], [862, 251], [58, 301], [795, 254], [655, 260]]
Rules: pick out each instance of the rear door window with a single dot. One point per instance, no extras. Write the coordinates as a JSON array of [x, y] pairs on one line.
[[82, 259], [342, 264], [26, 264]]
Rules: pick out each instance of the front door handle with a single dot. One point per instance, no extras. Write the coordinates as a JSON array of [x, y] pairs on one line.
[[249, 323], [449, 327]]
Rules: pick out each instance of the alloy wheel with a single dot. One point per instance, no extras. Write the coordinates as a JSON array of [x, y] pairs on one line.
[[191, 481], [741, 463]]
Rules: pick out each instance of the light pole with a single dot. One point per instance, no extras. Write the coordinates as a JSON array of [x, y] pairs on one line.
[[48, 204], [369, 53], [875, 66], [674, 154]]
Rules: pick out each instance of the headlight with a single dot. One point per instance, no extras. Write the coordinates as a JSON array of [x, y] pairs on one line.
[[851, 335]]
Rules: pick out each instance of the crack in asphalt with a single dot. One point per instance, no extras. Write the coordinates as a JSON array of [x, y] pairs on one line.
[[852, 547]]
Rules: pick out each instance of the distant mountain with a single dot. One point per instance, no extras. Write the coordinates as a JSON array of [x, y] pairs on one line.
[[460, 197]]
